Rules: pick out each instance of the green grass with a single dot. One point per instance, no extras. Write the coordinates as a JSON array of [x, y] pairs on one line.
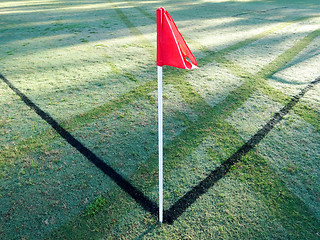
[[97, 78]]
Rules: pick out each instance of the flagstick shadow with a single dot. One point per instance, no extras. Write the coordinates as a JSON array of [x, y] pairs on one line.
[[179, 207], [126, 186]]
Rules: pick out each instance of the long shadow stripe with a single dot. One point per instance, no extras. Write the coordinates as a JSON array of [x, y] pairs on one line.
[[136, 194], [190, 197]]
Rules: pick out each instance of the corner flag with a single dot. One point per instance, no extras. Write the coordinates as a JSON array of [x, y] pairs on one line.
[[173, 51]]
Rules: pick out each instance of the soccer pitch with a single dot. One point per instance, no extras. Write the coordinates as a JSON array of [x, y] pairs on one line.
[[78, 121]]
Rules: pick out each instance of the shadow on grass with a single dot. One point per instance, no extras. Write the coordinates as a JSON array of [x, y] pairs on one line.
[[190, 197], [126, 186], [76, 17]]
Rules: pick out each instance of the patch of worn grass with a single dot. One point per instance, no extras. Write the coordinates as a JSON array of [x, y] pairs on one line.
[[96, 206]]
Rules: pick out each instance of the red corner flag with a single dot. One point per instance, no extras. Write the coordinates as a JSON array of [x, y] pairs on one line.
[[172, 50]]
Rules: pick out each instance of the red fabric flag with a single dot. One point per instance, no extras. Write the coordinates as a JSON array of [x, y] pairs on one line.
[[172, 50]]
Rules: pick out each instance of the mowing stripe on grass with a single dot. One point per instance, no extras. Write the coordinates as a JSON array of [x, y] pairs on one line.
[[238, 96], [186, 138], [267, 71], [274, 66], [94, 227], [300, 109], [234, 47], [151, 169], [251, 83], [19, 149], [236, 93], [136, 194], [134, 31], [141, 91], [262, 35], [287, 56], [75, 125], [148, 15], [189, 198], [115, 104], [257, 173]]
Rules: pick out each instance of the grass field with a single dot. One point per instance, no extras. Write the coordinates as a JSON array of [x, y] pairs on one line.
[[78, 121]]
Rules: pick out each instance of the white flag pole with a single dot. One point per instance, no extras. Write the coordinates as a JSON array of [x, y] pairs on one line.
[[160, 120]]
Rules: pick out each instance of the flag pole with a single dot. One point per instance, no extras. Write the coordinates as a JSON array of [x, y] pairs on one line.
[[160, 120]]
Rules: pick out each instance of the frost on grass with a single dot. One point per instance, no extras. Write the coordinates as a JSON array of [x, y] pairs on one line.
[[253, 115], [294, 151], [48, 189], [188, 172], [229, 210], [173, 103], [299, 72], [17, 120], [213, 82], [128, 137], [74, 79], [72, 59], [123, 138], [261, 52], [292, 147], [58, 184], [217, 27]]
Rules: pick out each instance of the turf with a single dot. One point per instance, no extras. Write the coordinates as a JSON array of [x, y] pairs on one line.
[[91, 67]]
